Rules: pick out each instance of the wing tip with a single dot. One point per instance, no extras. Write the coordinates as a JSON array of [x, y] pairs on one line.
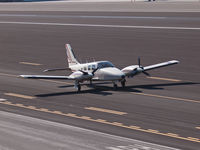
[[175, 61], [22, 76]]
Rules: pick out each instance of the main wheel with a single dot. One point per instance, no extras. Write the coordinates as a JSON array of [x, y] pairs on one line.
[[115, 86], [79, 87], [123, 83]]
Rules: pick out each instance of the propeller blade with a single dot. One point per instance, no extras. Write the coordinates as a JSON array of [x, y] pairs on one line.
[[94, 71], [146, 73], [84, 73], [56, 69], [139, 61]]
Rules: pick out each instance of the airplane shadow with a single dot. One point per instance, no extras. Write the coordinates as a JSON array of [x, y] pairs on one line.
[[106, 90]]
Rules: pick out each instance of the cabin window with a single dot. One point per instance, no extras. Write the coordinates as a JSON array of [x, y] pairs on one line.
[[85, 68], [89, 67], [93, 67]]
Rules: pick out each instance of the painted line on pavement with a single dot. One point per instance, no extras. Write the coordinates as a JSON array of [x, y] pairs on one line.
[[145, 145], [165, 79], [106, 110], [29, 63], [167, 97], [9, 75], [197, 128], [117, 124], [99, 25], [20, 95]]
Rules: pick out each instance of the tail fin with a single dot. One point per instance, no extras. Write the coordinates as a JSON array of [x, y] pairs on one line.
[[70, 56]]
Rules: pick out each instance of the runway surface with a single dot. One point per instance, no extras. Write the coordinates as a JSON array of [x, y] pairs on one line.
[[163, 109], [34, 134], [103, 6]]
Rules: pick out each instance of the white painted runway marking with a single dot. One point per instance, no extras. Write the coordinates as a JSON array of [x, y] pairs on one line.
[[132, 147], [86, 16], [99, 25]]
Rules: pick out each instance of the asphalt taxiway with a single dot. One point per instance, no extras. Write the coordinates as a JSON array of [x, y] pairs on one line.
[[162, 109]]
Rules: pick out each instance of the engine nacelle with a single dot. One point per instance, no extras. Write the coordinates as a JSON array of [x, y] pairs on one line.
[[80, 76], [132, 70]]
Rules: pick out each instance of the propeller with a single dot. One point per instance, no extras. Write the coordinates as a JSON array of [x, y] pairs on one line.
[[86, 73], [146, 73], [95, 70], [139, 64]]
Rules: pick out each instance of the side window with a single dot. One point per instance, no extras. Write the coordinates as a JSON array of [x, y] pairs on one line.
[[89, 67], [93, 67]]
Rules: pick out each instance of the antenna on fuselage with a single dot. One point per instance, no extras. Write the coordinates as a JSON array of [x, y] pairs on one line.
[[93, 59]]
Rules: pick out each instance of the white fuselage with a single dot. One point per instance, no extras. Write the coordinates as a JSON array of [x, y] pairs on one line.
[[106, 70]]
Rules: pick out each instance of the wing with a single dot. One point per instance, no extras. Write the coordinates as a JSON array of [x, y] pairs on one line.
[[46, 77], [168, 63], [137, 69]]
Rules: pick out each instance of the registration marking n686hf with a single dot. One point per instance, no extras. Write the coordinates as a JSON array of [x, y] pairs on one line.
[[106, 110]]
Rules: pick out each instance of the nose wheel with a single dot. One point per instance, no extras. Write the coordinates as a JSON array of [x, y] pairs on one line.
[[115, 86]]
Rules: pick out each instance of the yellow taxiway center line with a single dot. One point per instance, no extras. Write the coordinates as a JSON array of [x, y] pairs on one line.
[[167, 97], [19, 95], [9, 75], [166, 79], [118, 124], [29, 63], [106, 110]]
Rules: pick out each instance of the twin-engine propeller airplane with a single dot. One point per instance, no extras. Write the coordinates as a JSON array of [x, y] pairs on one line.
[[98, 71]]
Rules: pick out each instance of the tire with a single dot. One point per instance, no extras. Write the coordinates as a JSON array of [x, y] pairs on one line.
[[79, 88]]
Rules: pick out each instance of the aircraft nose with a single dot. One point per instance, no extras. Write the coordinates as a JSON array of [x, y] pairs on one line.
[[113, 74]]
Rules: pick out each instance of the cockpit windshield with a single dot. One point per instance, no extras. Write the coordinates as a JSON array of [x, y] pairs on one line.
[[105, 64]]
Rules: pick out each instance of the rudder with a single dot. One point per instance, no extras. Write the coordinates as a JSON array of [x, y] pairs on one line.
[[70, 56]]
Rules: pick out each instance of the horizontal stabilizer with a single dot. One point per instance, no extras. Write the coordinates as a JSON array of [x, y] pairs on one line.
[[56, 69], [168, 63]]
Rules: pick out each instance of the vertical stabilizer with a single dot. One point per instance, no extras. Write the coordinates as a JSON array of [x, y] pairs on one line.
[[70, 56]]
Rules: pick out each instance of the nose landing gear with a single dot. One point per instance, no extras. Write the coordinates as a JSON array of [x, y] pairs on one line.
[[123, 83], [115, 85]]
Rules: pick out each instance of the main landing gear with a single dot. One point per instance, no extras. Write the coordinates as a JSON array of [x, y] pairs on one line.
[[77, 86], [123, 83]]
